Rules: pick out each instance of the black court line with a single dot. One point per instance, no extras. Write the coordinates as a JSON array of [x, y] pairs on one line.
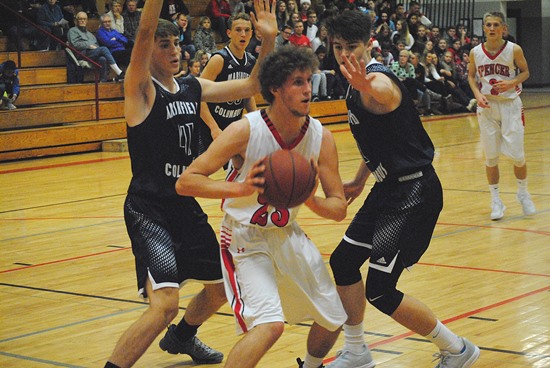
[[64, 203]]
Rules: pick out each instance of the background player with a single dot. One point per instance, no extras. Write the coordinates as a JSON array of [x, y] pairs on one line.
[[496, 86], [394, 226], [231, 62], [272, 272]]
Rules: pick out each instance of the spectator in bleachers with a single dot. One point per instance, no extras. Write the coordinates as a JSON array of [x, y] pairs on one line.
[[474, 41], [9, 85], [294, 17], [194, 67], [428, 47], [383, 33], [462, 73], [116, 15], [8, 24], [298, 38], [171, 9], [447, 70], [420, 39], [435, 34], [255, 45], [50, 17], [283, 36], [69, 9], [116, 42], [311, 25], [462, 33], [84, 41], [383, 18], [291, 7], [506, 34], [305, 5], [131, 18], [431, 96], [281, 14], [456, 50], [402, 34], [321, 39], [450, 35], [412, 22], [203, 57], [414, 8], [441, 47], [399, 12], [237, 6], [204, 36], [219, 12], [185, 37], [386, 48]]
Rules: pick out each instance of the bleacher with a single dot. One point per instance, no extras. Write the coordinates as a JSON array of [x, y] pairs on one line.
[[54, 117]]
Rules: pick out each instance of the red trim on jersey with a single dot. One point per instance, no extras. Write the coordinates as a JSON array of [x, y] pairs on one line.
[[493, 57], [237, 304], [277, 136]]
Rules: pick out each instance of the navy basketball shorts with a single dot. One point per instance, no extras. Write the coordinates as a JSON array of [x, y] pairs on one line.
[[172, 242]]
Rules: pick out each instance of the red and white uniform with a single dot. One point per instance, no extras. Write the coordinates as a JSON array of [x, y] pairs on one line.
[[495, 68], [272, 271], [501, 124]]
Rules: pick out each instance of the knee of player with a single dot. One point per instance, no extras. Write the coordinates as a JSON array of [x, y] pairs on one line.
[[344, 269], [272, 330], [166, 309], [385, 300], [216, 294], [519, 161]]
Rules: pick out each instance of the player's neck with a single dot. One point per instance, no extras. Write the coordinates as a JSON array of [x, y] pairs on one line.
[[237, 51], [494, 44], [287, 123]]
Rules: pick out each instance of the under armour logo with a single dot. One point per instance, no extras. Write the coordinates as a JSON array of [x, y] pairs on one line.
[[240, 250]]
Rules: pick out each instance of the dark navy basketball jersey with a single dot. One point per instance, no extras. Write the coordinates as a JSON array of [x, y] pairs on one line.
[[227, 112], [166, 142], [393, 144]]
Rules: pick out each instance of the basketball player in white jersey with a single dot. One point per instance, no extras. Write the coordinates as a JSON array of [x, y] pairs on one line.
[[496, 72], [272, 272]]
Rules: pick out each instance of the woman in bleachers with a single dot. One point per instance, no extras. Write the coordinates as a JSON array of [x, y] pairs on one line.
[[282, 15], [116, 16], [204, 36], [402, 34]]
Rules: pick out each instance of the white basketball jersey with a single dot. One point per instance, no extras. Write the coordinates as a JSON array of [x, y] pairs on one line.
[[494, 68], [264, 139]]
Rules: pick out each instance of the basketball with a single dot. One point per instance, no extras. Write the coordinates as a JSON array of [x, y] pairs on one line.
[[289, 179]]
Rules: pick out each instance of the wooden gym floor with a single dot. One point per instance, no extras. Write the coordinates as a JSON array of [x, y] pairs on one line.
[[68, 286]]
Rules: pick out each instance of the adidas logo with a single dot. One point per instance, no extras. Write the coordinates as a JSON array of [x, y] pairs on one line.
[[381, 260], [230, 66]]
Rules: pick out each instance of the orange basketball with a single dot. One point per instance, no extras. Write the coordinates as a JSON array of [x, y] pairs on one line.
[[289, 179]]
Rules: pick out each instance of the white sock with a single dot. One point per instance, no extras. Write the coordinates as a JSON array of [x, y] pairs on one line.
[[355, 338], [115, 68], [312, 362], [493, 188], [445, 339], [522, 186]]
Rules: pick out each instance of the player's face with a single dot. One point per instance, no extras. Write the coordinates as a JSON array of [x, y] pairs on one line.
[[493, 27], [342, 47], [295, 93], [240, 33], [166, 55]]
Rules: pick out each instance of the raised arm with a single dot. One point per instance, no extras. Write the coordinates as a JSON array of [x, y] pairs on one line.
[[139, 91], [265, 22], [333, 205]]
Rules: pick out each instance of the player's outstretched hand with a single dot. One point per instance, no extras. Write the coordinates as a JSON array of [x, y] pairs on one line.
[[355, 72], [352, 190], [265, 21]]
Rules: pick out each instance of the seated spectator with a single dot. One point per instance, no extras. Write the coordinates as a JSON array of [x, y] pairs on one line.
[[450, 35], [194, 67], [219, 12], [321, 39], [204, 37], [456, 50], [237, 7], [283, 36], [255, 44], [448, 70], [384, 19], [462, 74], [402, 34], [441, 48], [171, 9], [203, 57], [462, 33], [506, 34], [9, 85], [85, 42], [291, 7], [426, 105], [50, 17], [131, 18], [294, 17], [185, 37], [311, 25], [117, 43], [26, 34], [435, 34], [305, 5], [383, 34], [412, 23], [386, 50], [281, 14], [420, 39], [116, 16], [298, 38]]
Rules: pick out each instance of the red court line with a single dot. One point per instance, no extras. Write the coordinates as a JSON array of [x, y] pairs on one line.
[[24, 169], [456, 318]]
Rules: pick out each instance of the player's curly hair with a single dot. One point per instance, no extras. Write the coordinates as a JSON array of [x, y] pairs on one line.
[[350, 26], [280, 64]]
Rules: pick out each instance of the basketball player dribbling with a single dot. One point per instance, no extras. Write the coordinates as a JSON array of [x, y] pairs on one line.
[[272, 272], [496, 84]]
